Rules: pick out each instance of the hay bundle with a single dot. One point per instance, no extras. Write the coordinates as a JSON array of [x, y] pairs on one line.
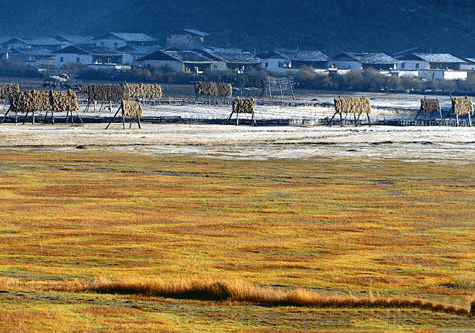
[[143, 90], [244, 105], [107, 93], [213, 89], [7, 89], [356, 105], [131, 109], [64, 101], [28, 101], [430, 105], [462, 106]]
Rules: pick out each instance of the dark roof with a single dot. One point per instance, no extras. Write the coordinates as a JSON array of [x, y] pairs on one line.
[[190, 31], [235, 56], [158, 55], [129, 37], [188, 56], [43, 41], [438, 57], [367, 58], [36, 52], [304, 55], [76, 40], [72, 50], [270, 55]]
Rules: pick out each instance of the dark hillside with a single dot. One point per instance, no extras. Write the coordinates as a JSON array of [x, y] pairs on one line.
[[342, 25]]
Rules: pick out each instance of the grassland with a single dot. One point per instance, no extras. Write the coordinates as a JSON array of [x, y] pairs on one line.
[[341, 228]]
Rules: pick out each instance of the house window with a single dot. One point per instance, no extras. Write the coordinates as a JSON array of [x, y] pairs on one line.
[[403, 65], [61, 59], [78, 59], [417, 66]]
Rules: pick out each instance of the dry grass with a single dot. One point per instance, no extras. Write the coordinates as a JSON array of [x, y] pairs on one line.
[[206, 289], [308, 230]]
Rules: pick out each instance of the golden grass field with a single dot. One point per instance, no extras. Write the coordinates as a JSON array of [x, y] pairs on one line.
[[96, 241]]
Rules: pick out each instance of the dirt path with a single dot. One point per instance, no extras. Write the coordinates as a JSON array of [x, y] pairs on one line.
[[409, 143]]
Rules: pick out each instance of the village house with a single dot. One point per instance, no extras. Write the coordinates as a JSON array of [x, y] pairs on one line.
[[71, 55], [236, 60], [469, 65], [442, 74], [424, 61], [279, 61], [80, 41], [180, 60], [364, 61], [97, 58], [116, 40], [187, 39]]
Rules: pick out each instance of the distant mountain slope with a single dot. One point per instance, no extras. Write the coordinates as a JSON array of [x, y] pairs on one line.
[[342, 25]]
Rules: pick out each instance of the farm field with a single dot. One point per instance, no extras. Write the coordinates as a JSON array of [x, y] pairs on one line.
[[195, 227], [105, 239]]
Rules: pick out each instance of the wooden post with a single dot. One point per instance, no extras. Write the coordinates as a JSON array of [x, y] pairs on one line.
[[369, 120], [341, 120], [120, 107], [26, 116], [331, 119], [4, 116], [469, 120]]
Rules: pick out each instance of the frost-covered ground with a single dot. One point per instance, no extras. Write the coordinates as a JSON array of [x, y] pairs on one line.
[[260, 142]]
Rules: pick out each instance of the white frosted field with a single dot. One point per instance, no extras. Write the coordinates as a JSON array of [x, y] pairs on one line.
[[411, 143]]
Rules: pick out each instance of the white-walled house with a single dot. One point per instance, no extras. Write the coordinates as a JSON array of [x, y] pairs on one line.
[[469, 64], [180, 60], [116, 40], [442, 74], [363, 61], [71, 55], [187, 39], [274, 61], [280, 61], [424, 61]]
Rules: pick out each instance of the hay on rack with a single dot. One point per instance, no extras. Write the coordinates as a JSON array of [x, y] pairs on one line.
[[7, 89], [462, 106], [244, 105], [358, 105], [213, 89], [64, 101], [131, 109], [39, 100], [107, 93], [430, 105], [141, 90], [30, 101]]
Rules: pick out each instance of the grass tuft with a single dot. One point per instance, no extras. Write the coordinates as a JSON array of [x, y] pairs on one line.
[[210, 290]]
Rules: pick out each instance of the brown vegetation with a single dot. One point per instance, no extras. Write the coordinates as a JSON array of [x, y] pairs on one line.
[[206, 289], [141, 90], [213, 89], [430, 105], [358, 105], [462, 106], [7, 89], [244, 105], [131, 108], [40, 100]]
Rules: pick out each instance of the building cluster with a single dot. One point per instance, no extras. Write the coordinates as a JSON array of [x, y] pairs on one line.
[[187, 50]]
